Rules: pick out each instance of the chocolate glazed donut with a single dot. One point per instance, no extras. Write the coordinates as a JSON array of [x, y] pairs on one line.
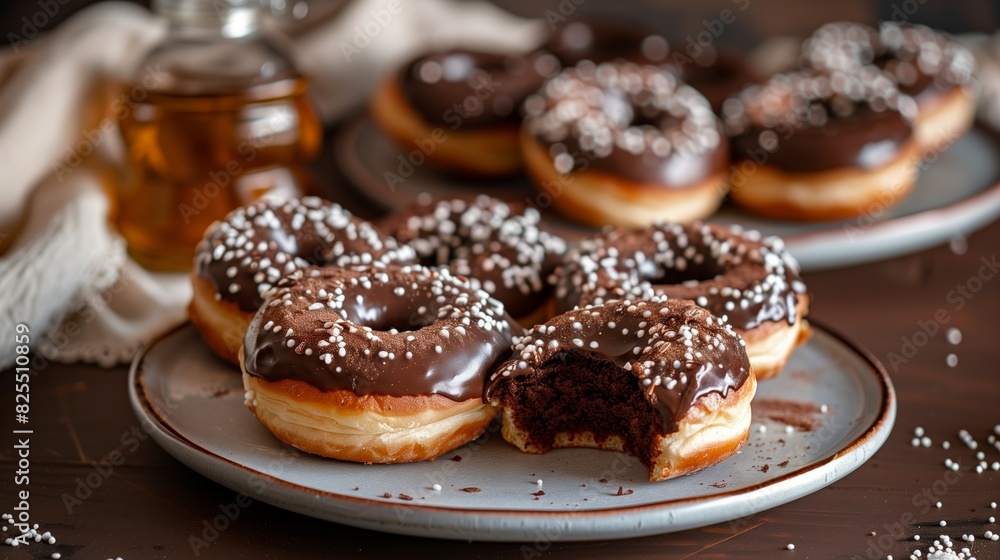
[[662, 380], [374, 365], [822, 146], [502, 247], [935, 70], [750, 282], [243, 256], [622, 144], [461, 108], [715, 72]]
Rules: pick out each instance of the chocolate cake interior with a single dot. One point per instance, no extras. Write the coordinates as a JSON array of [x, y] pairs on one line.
[[577, 392]]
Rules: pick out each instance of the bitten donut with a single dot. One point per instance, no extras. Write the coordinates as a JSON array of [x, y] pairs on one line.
[[662, 380], [243, 256], [501, 247], [622, 144], [460, 109], [377, 365], [930, 67], [822, 146], [714, 72], [750, 282]]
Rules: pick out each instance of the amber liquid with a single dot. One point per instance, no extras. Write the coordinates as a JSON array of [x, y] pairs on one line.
[[194, 158]]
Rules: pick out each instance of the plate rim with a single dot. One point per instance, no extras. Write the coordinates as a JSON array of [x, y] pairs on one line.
[[978, 210], [882, 424]]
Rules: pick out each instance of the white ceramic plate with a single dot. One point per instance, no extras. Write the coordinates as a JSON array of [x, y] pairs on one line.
[[956, 194], [192, 404]]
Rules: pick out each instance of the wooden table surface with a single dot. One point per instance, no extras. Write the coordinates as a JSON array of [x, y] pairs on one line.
[[105, 489]]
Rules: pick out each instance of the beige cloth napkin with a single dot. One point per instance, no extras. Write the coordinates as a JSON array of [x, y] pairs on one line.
[[64, 272]]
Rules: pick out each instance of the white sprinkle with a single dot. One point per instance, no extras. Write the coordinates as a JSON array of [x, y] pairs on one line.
[[918, 431], [762, 428], [954, 336], [539, 482], [925, 441], [824, 409], [937, 504], [951, 360], [436, 487], [790, 546], [915, 442], [56, 556], [577, 342], [789, 429], [945, 445], [943, 523]]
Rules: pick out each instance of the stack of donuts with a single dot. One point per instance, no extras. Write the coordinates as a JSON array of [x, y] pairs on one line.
[[397, 341], [620, 127]]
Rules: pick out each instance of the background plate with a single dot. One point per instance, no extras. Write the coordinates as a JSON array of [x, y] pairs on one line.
[[956, 194], [192, 405]]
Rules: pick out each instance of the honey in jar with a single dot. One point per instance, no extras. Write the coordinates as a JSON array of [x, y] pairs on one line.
[[222, 117]]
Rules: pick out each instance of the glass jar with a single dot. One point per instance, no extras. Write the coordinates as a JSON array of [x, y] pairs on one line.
[[221, 118]]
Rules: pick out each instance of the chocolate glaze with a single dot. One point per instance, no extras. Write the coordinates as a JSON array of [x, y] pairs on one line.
[[248, 252], [502, 247], [658, 132], [733, 273], [473, 89], [607, 41], [656, 342], [386, 331], [865, 139], [716, 73], [807, 122]]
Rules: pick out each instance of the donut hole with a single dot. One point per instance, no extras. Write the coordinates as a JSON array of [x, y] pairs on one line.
[[576, 392], [692, 273], [309, 250], [391, 313]]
